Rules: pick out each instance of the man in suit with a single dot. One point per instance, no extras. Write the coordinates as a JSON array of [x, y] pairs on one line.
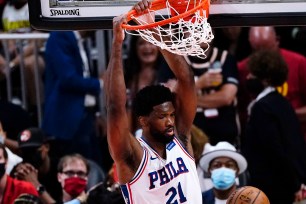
[[70, 99]]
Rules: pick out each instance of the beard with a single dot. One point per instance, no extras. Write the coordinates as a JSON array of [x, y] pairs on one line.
[[162, 137]]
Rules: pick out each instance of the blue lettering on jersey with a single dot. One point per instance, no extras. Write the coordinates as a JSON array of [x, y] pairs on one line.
[[170, 145], [167, 173]]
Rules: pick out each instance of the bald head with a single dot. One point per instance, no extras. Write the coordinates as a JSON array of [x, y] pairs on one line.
[[263, 38]]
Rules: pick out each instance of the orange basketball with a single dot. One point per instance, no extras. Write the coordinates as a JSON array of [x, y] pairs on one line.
[[246, 195]]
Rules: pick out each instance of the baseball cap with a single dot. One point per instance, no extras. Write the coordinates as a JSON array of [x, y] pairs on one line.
[[31, 137], [222, 149]]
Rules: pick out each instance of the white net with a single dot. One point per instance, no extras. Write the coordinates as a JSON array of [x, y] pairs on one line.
[[186, 36]]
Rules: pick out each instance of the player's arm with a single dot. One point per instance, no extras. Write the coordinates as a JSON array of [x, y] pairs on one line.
[[185, 91], [124, 148]]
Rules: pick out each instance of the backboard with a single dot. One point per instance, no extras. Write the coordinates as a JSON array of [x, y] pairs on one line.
[[98, 14]]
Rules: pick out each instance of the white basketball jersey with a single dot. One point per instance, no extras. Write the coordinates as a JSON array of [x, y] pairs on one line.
[[160, 181]]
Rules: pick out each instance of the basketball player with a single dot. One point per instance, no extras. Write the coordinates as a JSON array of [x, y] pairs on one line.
[[159, 166]]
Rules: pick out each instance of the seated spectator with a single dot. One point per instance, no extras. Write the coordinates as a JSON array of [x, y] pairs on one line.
[[11, 188], [38, 167], [15, 19], [72, 174], [224, 164], [274, 145], [14, 119]]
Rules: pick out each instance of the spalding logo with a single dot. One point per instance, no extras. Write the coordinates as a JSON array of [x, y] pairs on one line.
[[71, 12]]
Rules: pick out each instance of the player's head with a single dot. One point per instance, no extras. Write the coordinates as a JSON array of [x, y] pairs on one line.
[[269, 67], [263, 37], [153, 106]]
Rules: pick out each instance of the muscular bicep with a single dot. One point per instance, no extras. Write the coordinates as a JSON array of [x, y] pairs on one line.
[[123, 146]]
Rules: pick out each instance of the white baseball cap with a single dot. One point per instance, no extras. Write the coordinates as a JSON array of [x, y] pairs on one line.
[[222, 149]]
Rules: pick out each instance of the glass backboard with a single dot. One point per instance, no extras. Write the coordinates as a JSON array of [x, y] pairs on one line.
[[98, 14]]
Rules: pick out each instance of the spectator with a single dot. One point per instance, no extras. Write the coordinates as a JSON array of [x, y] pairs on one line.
[[15, 19], [274, 146], [293, 87], [14, 119], [224, 164], [11, 188], [38, 167], [71, 104], [217, 84], [73, 172]]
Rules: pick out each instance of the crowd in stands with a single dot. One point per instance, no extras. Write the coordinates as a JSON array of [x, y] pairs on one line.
[[250, 126]]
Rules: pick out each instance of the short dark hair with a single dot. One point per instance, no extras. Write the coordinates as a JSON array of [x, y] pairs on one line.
[[64, 160], [2, 146], [268, 65], [150, 96]]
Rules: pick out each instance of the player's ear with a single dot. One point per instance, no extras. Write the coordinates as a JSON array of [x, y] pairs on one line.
[[143, 121]]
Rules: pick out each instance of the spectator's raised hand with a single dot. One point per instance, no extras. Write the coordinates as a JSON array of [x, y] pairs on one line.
[[26, 172]]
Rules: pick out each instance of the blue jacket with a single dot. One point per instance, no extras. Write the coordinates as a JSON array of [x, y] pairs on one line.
[[65, 86], [208, 197]]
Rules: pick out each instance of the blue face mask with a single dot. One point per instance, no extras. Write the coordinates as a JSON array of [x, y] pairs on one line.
[[223, 178]]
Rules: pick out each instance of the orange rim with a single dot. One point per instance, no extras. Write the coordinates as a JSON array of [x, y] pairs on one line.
[[158, 5]]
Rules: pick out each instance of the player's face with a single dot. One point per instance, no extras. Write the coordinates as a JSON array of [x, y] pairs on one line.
[[162, 120]]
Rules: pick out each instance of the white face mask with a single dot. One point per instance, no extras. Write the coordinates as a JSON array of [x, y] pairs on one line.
[[223, 178]]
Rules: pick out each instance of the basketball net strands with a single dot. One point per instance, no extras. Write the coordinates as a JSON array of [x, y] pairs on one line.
[[183, 28]]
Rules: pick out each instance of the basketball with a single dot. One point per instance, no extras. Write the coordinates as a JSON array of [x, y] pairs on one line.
[[246, 195]]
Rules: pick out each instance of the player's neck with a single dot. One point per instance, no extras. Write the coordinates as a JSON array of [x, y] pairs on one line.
[[159, 147]]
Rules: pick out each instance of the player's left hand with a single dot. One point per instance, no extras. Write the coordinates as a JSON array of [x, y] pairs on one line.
[[142, 6]]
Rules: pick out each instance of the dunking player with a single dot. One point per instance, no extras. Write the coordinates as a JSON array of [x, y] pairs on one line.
[[159, 167]]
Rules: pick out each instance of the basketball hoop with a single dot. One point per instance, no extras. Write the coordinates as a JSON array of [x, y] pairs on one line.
[[182, 30]]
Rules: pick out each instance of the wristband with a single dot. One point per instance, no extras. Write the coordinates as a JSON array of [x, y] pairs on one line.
[[40, 189]]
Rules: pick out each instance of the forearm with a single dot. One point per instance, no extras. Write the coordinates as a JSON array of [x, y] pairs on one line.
[[223, 97], [116, 88], [214, 100], [178, 66], [301, 113]]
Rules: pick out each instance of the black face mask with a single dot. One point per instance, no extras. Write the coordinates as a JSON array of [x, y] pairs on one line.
[[2, 169], [254, 86], [32, 157]]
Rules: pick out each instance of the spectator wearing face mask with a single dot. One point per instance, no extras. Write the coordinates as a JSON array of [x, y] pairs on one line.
[[224, 164], [72, 174], [38, 166], [11, 188]]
